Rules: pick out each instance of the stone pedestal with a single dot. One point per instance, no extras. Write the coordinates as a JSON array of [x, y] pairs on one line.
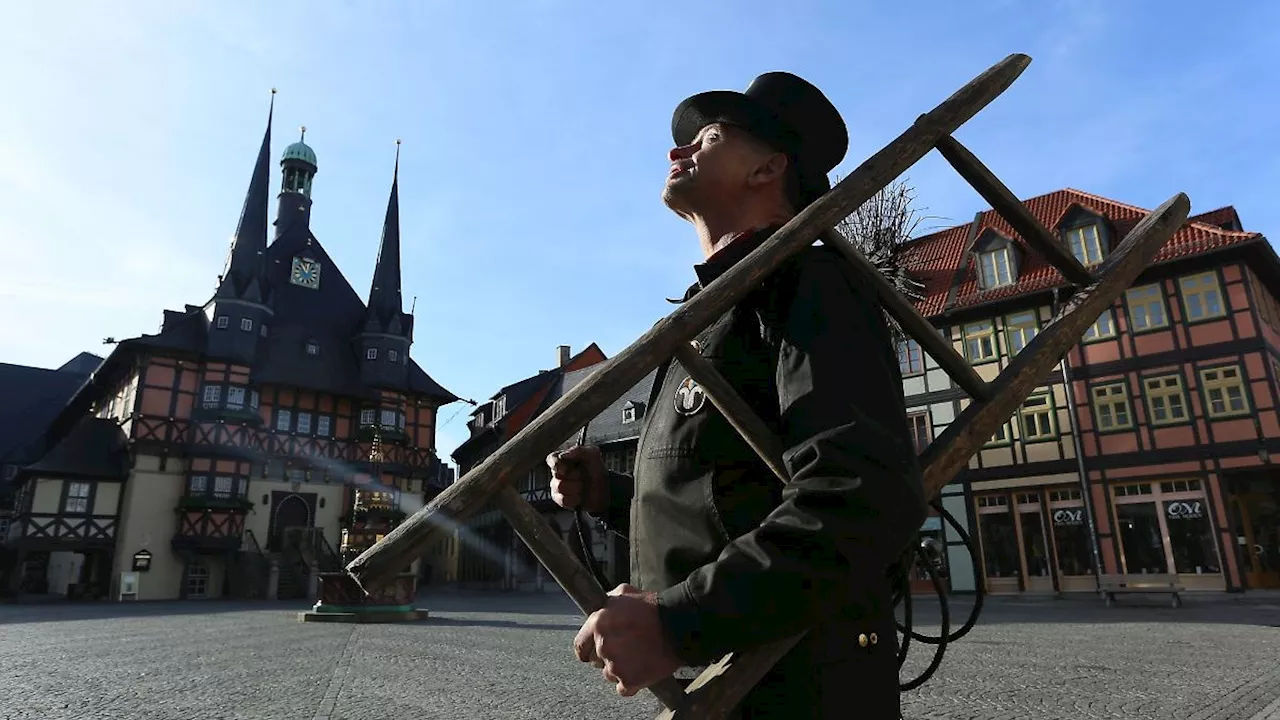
[[342, 600]]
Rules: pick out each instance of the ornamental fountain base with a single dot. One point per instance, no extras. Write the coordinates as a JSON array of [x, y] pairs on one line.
[[342, 600]]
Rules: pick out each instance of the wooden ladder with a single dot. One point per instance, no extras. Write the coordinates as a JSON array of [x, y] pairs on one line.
[[719, 688]]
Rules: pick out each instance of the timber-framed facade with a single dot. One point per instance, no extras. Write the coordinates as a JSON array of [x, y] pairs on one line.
[[258, 439], [1148, 450]]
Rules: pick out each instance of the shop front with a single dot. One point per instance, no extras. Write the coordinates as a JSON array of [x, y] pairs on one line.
[[1035, 540], [1165, 527], [1255, 511]]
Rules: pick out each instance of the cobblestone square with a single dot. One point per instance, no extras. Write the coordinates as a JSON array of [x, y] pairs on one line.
[[500, 656]]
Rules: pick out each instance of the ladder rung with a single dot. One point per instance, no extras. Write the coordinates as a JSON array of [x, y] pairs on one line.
[[931, 341], [740, 415], [951, 451], [1014, 212]]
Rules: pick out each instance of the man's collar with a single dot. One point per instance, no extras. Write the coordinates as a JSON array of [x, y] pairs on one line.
[[726, 257]]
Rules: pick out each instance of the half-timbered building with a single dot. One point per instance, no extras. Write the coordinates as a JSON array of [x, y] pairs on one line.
[[258, 438], [1147, 449], [490, 555]]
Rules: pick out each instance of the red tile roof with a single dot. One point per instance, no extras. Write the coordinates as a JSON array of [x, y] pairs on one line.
[[935, 259]]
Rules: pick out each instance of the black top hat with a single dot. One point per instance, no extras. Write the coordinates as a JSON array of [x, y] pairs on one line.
[[783, 110]]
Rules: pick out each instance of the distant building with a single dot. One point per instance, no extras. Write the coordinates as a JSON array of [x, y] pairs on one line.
[[270, 433], [1150, 449]]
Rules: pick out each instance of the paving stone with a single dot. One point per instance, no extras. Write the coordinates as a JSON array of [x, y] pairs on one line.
[[508, 656]]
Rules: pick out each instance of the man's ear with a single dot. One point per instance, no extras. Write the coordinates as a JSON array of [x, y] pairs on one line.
[[771, 168]]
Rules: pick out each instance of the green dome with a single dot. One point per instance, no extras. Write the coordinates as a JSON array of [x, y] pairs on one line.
[[300, 151]]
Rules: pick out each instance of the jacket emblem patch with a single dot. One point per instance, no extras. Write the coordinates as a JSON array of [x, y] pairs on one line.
[[690, 398]]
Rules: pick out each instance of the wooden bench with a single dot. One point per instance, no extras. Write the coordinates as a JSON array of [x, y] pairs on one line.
[[1112, 585]]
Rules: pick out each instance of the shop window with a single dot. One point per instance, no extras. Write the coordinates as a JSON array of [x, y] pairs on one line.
[[1111, 407], [1146, 307], [1165, 527], [1223, 392], [910, 357], [1019, 329], [1085, 244], [1177, 486], [919, 423], [1139, 525], [1166, 401], [1191, 536], [998, 537], [996, 268], [1201, 296], [1035, 549], [980, 341], [1071, 532], [1037, 418]]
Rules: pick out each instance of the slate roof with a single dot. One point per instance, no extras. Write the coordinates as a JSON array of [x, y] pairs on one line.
[[944, 263], [607, 427], [33, 398], [96, 448]]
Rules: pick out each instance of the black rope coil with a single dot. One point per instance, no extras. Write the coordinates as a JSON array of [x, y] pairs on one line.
[[903, 595]]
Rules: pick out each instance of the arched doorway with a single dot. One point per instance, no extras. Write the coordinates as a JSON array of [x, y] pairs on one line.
[[291, 511]]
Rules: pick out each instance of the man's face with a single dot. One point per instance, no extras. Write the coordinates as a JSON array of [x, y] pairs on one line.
[[719, 166]]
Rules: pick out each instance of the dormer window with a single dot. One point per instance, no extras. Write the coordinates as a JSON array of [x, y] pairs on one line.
[[246, 324], [392, 355], [499, 407], [222, 322], [632, 411], [371, 354], [313, 348], [996, 268], [1085, 244]]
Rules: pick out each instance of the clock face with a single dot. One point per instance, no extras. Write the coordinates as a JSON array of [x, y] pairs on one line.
[[306, 272]]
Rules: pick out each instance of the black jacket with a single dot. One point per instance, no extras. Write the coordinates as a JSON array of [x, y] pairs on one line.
[[737, 558]]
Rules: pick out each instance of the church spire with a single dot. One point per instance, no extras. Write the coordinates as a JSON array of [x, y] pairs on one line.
[[384, 295], [244, 274]]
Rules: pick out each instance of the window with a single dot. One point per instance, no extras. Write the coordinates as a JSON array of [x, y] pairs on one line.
[[1019, 329], [1103, 327], [996, 268], [212, 395], [1037, 418], [262, 329], [253, 399], [910, 357], [77, 498], [1003, 436], [1085, 244], [371, 354], [389, 418], [919, 424], [304, 422], [198, 485], [235, 397], [1146, 307], [223, 485], [1111, 406], [368, 416], [313, 348], [1201, 296], [197, 580], [322, 425], [499, 407], [222, 322], [628, 414], [283, 420], [1165, 399], [246, 324], [1224, 391], [392, 355], [980, 341]]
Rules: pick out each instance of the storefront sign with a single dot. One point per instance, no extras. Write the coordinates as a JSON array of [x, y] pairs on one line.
[[141, 561], [1068, 516], [1184, 509]]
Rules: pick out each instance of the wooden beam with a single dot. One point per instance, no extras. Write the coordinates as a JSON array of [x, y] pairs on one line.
[[931, 341], [383, 561], [740, 415], [722, 686], [558, 559], [1004, 202]]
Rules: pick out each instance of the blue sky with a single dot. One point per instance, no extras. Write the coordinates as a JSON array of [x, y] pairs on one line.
[[535, 137]]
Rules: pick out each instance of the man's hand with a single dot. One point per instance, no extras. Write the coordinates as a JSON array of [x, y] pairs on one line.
[[578, 478], [627, 642]]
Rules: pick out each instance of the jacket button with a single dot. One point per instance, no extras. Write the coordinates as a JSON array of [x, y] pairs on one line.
[[862, 640], [697, 347], [874, 639]]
